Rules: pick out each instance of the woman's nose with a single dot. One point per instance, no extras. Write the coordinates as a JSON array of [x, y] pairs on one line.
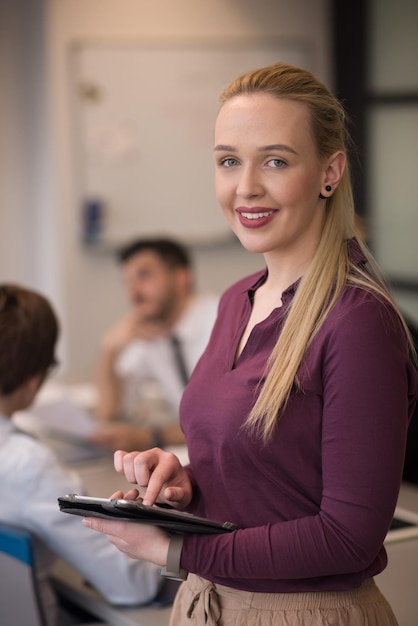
[[249, 184]]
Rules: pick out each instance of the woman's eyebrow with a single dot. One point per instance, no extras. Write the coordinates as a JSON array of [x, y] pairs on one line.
[[274, 146], [222, 148], [277, 146]]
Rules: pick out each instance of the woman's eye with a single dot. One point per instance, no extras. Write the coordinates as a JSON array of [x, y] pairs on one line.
[[228, 162], [276, 163]]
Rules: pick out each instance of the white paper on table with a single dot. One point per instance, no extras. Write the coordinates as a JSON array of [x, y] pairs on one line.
[[63, 418]]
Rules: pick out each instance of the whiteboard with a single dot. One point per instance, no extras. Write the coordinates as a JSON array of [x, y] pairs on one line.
[[144, 118]]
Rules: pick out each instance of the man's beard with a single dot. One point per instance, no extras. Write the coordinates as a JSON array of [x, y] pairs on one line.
[[163, 309]]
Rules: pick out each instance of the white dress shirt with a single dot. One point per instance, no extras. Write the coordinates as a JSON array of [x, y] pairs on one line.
[[148, 368], [31, 480]]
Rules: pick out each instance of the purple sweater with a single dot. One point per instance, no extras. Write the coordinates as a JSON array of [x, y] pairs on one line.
[[314, 505]]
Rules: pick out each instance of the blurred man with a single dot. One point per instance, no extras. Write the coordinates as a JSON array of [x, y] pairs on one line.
[[147, 356], [31, 476]]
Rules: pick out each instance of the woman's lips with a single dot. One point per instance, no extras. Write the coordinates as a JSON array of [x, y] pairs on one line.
[[255, 218]]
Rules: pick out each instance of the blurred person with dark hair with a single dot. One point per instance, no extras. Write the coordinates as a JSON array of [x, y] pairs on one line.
[[147, 356], [31, 477]]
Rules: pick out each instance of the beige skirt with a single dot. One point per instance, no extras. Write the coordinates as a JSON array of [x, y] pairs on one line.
[[201, 603]]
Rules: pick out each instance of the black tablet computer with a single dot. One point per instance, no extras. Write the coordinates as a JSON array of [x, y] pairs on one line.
[[134, 511]]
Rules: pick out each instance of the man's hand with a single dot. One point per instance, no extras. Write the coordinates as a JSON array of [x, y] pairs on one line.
[[128, 329], [122, 436]]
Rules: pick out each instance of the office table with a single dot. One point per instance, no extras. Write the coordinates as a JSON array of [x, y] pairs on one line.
[[398, 581], [68, 583]]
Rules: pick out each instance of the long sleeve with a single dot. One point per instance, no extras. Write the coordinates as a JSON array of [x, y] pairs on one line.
[[316, 503], [34, 480]]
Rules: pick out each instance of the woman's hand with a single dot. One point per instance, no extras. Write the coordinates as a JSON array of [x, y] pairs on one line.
[[138, 541], [159, 472]]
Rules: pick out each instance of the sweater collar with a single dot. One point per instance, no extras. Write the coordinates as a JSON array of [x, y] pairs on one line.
[[355, 254]]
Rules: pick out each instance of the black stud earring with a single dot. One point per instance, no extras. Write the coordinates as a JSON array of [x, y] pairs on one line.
[[327, 188]]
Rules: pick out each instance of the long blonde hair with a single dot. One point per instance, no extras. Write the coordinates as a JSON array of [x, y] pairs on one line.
[[331, 267]]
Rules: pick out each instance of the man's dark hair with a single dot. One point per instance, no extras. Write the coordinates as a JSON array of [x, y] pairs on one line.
[[172, 253], [28, 333]]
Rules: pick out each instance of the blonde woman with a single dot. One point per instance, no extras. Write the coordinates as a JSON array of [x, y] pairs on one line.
[[296, 415]]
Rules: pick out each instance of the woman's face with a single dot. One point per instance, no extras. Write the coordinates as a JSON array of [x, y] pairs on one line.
[[269, 175]]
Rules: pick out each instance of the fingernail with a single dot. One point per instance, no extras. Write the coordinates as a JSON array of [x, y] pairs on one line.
[[86, 522]]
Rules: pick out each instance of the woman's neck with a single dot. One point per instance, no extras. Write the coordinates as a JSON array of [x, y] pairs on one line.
[[285, 267]]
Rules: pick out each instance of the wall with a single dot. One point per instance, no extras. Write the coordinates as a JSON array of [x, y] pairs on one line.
[[27, 223], [393, 144], [83, 284]]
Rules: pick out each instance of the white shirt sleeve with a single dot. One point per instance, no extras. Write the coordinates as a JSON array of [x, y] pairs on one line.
[[38, 481]]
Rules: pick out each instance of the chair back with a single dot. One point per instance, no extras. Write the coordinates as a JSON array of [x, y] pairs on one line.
[[20, 602]]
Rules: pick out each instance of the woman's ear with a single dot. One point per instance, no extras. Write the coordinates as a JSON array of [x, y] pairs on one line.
[[334, 169]]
